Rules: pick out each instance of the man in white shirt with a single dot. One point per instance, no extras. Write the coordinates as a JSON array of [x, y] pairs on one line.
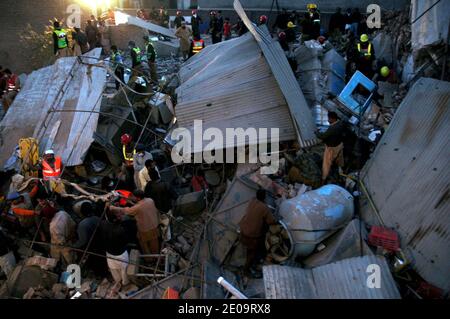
[[144, 176]]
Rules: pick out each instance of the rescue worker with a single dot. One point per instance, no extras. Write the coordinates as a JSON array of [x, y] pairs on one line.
[[22, 209], [314, 16], [117, 64], [51, 166], [282, 39], [290, 32], [128, 153], [263, 20], [256, 218], [51, 171], [197, 45], [195, 24], [60, 41], [136, 58], [12, 88], [365, 56], [385, 74], [334, 141], [151, 59], [214, 28], [178, 20]]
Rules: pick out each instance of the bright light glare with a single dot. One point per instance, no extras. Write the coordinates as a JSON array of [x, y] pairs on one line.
[[94, 5]]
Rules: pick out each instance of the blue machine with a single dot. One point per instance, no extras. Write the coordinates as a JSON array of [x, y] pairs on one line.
[[357, 108]]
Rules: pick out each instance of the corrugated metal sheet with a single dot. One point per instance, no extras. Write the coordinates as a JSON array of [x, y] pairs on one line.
[[122, 18], [346, 279], [278, 63], [53, 88], [408, 178], [230, 85]]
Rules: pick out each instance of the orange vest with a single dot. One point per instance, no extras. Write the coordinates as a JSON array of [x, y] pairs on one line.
[[198, 46], [49, 172], [125, 195], [25, 216]]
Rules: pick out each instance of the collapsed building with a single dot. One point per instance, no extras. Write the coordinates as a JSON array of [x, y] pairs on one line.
[[327, 237]]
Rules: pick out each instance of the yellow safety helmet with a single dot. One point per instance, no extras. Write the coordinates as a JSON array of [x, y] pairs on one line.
[[291, 25], [385, 71], [311, 6], [364, 38]]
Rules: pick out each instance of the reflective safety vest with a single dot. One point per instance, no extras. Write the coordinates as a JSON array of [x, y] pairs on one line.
[[116, 59], [124, 196], [61, 34], [49, 172], [25, 216], [138, 54], [12, 83], [198, 46], [367, 53], [128, 156]]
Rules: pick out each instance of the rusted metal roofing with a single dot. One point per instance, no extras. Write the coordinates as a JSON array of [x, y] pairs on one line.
[[345, 279], [61, 88], [279, 65], [408, 178], [230, 85]]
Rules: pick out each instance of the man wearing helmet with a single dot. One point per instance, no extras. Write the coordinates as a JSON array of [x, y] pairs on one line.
[[178, 19], [195, 24], [51, 171], [128, 153], [365, 56], [262, 20]]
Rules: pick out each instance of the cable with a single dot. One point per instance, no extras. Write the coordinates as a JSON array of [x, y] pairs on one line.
[[423, 13]]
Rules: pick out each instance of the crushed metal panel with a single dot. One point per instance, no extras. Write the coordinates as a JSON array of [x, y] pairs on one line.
[[122, 18], [288, 84], [282, 282], [408, 178], [238, 91], [66, 129], [82, 93], [222, 230], [346, 279], [344, 244]]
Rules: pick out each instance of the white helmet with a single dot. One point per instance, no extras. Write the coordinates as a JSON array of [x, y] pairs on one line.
[[49, 152]]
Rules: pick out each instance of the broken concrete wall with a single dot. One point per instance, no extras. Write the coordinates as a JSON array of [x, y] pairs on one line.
[[66, 86]]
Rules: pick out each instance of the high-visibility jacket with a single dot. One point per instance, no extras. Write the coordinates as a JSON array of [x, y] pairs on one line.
[[12, 83], [128, 156], [116, 59], [61, 34], [366, 52], [124, 196], [25, 216], [198, 46], [138, 54], [49, 172]]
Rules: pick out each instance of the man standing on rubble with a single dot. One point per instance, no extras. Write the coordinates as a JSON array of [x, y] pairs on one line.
[[178, 20], [365, 56], [252, 225], [144, 174], [117, 64], [214, 29], [184, 34], [195, 24], [60, 41], [136, 58], [51, 171], [62, 231], [151, 59], [334, 145], [147, 221]]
